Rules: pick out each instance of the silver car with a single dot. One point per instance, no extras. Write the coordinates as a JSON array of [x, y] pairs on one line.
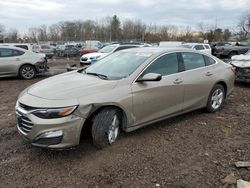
[[16, 61], [122, 92]]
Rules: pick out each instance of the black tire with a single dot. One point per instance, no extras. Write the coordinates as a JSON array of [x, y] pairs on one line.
[[102, 127], [27, 72], [215, 104], [231, 54]]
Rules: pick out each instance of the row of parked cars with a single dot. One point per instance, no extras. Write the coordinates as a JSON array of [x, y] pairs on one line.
[[38, 61]]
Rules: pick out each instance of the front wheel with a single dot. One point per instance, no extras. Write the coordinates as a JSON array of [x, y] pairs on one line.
[[106, 126], [216, 98], [27, 72]]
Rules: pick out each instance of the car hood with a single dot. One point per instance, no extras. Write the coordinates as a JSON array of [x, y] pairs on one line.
[[72, 85], [241, 61]]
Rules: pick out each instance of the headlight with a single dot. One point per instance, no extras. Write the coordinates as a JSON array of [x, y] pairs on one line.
[[54, 113]]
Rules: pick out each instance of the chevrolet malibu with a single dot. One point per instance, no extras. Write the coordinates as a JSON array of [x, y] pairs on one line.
[[122, 92]]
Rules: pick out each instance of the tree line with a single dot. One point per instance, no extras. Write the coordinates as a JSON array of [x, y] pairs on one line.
[[112, 29]]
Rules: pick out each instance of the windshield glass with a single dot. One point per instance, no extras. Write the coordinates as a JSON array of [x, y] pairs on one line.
[[118, 65], [248, 52], [107, 49]]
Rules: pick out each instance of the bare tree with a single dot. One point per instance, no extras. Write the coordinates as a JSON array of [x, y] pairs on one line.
[[12, 35], [244, 25], [2, 30]]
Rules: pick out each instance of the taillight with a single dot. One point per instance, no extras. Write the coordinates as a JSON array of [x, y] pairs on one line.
[[233, 69]]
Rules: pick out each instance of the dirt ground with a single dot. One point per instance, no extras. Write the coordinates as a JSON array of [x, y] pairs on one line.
[[193, 150]]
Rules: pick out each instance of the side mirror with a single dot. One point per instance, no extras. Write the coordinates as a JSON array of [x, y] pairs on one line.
[[150, 77]]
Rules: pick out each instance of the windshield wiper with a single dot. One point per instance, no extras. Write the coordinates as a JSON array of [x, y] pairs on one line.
[[82, 69], [102, 76]]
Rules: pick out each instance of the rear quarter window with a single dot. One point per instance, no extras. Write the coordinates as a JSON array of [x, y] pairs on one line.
[[209, 60], [207, 46]]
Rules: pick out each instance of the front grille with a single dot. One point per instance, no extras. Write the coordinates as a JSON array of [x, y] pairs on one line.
[[23, 122], [84, 59]]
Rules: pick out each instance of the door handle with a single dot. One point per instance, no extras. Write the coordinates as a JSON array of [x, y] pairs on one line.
[[178, 81], [209, 74], [18, 59]]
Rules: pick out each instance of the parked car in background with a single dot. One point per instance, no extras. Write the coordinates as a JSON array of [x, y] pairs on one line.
[[199, 46], [242, 66], [227, 51], [25, 46], [48, 50], [86, 51], [91, 46], [67, 51], [215, 45], [90, 58], [19, 62], [124, 91], [170, 43]]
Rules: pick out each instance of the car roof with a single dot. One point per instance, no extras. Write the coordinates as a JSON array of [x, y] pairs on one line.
[[193, 44], [156, 50], [12, 47]]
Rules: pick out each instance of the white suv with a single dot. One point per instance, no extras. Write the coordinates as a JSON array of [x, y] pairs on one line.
[[199, 46], [89, 58]]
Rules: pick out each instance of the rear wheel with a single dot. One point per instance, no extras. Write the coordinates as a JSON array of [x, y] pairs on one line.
[[27, 72], [216, 98], [106, 126]]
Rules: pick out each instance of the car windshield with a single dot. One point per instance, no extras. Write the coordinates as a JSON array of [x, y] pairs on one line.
[[248, 52], [107, 49], [118, 65]]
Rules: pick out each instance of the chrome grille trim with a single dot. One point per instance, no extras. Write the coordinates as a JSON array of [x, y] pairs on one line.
[[24, 124]]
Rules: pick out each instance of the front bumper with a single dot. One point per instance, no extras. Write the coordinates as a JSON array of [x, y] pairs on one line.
[[49, 133], [243, 74], [42, 66]]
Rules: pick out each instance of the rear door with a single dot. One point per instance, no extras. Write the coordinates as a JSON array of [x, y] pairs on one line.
[[156, 99], [197, 78], [9, 61]]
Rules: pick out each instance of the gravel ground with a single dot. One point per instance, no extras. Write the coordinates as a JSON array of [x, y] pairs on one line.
[[193, 150]]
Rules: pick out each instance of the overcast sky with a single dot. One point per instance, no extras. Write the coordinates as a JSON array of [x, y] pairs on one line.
[[23, 14]]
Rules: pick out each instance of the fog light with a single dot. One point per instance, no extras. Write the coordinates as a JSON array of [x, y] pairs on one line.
[[48, 138], [51, 134]]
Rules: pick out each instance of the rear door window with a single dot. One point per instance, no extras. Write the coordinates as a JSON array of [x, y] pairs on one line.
[[209, 60], [192, 60]]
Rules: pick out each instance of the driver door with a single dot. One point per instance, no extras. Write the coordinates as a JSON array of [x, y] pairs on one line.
[[155, 99]]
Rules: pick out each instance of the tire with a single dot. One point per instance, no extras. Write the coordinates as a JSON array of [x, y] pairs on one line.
[[216, 98], [27, 72], [106, 126]]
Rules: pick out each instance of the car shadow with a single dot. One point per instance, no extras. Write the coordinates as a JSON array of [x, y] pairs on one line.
[[242, 84], [86, 147]]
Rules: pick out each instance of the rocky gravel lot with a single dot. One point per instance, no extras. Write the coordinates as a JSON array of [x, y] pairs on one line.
[[197, 149]]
